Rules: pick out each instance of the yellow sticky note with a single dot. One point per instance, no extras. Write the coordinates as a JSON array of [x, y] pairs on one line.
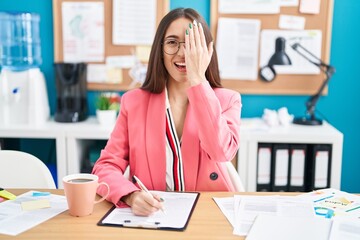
[[143, 53], [36, 204], [114, 75]]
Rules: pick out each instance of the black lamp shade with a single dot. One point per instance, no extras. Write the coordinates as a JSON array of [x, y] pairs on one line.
[[279, 57]]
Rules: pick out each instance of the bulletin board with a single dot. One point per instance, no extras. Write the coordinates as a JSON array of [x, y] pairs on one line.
[[110, 48], [283, 84]]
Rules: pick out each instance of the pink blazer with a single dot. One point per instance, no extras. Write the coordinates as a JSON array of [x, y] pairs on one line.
[[210, 138]]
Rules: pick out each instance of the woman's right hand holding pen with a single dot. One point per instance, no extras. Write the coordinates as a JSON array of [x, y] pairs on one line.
[[142, 203]]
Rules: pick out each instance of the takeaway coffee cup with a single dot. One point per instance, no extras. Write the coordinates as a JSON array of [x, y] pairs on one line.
[[80, 191]]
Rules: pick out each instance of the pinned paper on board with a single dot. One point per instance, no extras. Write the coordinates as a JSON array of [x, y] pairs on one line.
[[79, 21], [310, 39], [310, 6], [237, 48], [249, 6]]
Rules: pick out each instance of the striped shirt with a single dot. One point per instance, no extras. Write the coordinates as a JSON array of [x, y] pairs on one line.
[[174, 164]]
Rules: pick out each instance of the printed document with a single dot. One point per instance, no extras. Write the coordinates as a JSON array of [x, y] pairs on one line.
[[237, 48], [83, 29], [134, 22]]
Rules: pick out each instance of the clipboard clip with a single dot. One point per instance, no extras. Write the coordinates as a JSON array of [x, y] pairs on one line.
[[128, 223]]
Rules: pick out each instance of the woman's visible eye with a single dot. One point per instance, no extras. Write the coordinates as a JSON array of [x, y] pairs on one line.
[[171, 42]]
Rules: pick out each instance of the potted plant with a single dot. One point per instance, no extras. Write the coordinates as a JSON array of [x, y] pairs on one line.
[[107, 107]]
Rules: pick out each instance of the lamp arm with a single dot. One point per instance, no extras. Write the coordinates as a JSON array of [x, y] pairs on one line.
[[326, 68]]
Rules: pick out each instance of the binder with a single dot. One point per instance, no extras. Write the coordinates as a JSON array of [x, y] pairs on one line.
[[320, 166], [280, 167], [297, 161], [178, 206], [264, 167]]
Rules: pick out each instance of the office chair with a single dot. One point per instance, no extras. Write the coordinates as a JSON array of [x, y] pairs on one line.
[[23, 170], [235, 178]]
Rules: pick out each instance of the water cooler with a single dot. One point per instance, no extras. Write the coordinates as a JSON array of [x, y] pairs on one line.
[[23, 94]]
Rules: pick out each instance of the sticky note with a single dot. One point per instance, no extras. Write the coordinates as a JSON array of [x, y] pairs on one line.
[[36, 204], [114, 75], [143, 53], [310, 6]]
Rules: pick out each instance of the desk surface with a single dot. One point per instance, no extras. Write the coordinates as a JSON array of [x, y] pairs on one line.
[[207, 222]]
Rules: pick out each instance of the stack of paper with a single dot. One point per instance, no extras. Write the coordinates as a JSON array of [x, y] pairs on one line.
[[327, 214]]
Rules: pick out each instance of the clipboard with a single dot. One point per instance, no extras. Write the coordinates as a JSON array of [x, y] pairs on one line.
[[178, 206]]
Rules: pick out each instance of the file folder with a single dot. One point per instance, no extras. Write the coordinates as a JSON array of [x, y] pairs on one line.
[[320, 166], [297, 177], [264, 167], [280, 168]]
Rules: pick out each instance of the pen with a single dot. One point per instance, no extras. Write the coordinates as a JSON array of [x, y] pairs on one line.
[[142, 186]]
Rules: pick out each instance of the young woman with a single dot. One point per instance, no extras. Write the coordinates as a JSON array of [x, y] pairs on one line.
[[176, 131]]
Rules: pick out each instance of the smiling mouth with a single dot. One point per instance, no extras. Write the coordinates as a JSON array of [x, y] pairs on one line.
[[181, 67]]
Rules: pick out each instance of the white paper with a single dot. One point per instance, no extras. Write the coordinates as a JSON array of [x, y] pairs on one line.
[[310, 39], [335, 202], [284, 228], [134, 22], [125, 61], [289, 3], [96, 73], [249, 6], [83, 31], [177, 206], [13, 220], [345, 228], [237, 48], [310, 6], [247, 208], [291, 22], [226, 206]]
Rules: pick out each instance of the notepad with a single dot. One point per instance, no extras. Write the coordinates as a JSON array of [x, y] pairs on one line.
[[178, 205]]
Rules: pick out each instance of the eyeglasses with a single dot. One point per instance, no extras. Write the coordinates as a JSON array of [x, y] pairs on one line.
[[171, 46]]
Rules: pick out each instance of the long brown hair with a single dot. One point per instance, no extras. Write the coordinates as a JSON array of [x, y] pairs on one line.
[[157, 74]]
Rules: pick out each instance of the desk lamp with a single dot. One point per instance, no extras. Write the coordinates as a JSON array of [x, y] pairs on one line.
[[268, 73]]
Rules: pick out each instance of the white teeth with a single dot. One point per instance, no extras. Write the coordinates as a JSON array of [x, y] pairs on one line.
[[181, 64]]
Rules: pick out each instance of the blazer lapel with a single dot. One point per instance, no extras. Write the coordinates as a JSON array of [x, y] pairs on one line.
[[155, 140], [190, 151]]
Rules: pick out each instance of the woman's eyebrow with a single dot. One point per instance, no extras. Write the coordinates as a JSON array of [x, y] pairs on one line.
[[172, 36]]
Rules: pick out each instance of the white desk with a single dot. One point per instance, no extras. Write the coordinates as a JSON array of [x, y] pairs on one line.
[[72, 139]]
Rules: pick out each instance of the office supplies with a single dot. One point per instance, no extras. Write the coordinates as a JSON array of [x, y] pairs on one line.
[[7, 195], [264, 167], [35, 204], [14, 220], [280, 167], [179, 207], [142, 186], [297, 163]]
